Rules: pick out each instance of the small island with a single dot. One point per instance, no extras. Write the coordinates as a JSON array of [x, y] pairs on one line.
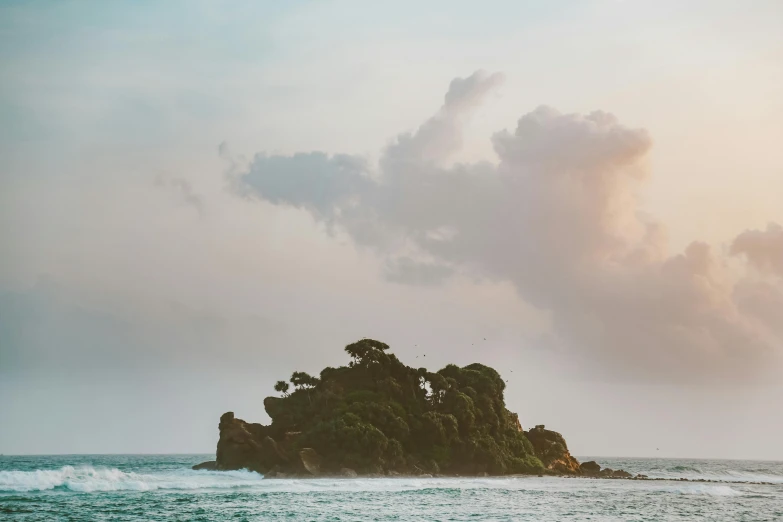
[[378, 417]]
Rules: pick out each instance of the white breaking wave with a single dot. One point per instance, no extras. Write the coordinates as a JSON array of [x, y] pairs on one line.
[[106, 479], [723, 475], [89, 479]]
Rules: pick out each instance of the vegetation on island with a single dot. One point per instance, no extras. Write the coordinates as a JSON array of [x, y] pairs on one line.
[[377, 415]]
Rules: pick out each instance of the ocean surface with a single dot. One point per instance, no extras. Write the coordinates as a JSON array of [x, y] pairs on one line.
[[163, 487]]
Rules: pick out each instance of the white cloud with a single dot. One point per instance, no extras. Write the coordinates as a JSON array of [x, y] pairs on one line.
[[763, 249], [559, 218]]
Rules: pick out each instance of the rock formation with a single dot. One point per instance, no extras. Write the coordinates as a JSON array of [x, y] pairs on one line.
[[377, 416], [551, 449], [311, 461], [590, 467]]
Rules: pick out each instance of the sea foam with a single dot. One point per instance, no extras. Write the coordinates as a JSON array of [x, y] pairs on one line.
[[89, 479]]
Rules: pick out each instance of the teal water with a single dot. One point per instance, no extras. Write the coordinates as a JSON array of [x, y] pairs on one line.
[[163, 487]]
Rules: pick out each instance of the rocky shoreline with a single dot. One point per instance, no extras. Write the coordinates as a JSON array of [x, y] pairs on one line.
[[606, 474]]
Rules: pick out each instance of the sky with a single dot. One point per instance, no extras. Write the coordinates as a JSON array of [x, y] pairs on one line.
[[198, 198]]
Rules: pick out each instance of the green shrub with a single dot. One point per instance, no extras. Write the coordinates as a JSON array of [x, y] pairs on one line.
[[378, 414]]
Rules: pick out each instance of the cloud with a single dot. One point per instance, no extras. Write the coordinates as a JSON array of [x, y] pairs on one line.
[[762, 248], [313, 181], [184, 188], [558, 217], [408, 271]]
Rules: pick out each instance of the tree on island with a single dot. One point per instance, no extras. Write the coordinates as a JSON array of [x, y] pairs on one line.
[[303, 381], [282, 387]]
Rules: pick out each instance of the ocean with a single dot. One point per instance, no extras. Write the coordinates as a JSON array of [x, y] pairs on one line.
[[163, 487]]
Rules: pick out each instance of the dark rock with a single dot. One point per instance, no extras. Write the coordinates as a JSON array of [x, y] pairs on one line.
[[274, 406], [271, 454], [590, 467], [641, 477], [245, 445], [550, 447], [237, 447], [272, 473], [311, 460], [290, 437], [621, 474], [209, 465], [606, 472], [349, 473]]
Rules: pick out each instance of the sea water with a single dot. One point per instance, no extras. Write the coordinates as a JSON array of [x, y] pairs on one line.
[[163, 487]]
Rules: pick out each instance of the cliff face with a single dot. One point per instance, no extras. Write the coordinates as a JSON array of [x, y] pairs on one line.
[[378, 416], [244, 445], [551, 449]]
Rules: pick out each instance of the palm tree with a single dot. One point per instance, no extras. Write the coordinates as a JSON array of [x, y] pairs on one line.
[[282, 387]]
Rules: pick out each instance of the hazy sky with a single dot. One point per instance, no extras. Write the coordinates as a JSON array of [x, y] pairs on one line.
[[198, 198]]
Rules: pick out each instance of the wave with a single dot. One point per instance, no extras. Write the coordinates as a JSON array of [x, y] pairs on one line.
[[731, 476], [89, 479], [685, 468], [700, 489], [701, 470]]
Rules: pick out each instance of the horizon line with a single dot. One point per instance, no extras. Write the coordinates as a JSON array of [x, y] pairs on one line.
[[580, 457]]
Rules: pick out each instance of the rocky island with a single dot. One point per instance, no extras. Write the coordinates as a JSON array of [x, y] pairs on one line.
[[377, 416]]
